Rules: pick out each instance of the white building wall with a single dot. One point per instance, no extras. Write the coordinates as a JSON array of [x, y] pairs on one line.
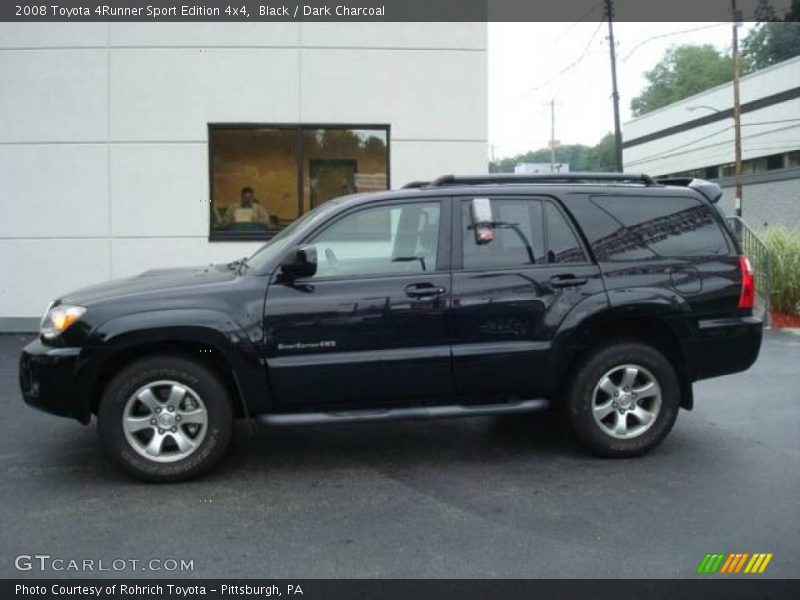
[[766, 203], [712, 144], [103, 139]]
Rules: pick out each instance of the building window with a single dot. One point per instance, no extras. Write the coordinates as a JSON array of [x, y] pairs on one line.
[[342, 161], [727, 170], [262, 177], [775, 162]]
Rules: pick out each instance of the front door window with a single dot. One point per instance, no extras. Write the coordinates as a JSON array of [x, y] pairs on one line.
[[384, 240]]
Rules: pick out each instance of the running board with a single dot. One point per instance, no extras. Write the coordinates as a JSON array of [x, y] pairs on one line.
[[399, 414]]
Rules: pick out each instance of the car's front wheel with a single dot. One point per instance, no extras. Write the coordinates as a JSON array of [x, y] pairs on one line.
[[165, 419], [623, 399]]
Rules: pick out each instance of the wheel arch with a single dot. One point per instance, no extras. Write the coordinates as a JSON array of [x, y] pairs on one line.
[[210, 339], [663, 331]]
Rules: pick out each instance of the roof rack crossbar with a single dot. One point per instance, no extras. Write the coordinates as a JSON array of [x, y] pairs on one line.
[[542, 178]]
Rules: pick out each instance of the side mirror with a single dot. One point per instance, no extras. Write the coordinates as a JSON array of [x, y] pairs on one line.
[[300, 262], [482, 222]]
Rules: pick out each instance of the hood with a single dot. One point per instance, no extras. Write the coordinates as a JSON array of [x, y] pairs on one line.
[[155, 280]]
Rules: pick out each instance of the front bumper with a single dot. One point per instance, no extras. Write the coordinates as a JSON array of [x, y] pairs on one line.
[[725, 346], [48, 378]]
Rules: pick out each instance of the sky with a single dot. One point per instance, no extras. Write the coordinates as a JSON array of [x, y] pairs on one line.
[[531, 64]]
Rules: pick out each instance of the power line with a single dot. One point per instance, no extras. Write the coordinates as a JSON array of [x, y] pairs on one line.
[[687, 146], [683, 148], [569, 67], [770, 122], [691, 30], [708, 153], [663, 35], [564, 33]]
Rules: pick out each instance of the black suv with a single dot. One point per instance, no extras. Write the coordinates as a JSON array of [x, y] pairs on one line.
[[604, 294]]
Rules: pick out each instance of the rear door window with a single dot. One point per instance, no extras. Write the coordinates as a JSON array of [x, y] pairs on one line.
[[562, 244], [518, 236], [667, 225]]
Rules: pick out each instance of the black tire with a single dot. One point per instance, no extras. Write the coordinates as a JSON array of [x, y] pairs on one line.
[[200, 380], [580, 396]]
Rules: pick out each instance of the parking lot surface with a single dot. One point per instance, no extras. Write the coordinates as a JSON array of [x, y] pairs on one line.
[[477, 497]]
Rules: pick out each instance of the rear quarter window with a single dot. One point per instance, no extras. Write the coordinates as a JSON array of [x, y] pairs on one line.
[[667, 225]]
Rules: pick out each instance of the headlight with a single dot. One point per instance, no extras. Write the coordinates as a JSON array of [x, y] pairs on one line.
[[59, 318]]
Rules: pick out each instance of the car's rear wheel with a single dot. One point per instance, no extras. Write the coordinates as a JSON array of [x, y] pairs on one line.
[[623, 399], [165, 419]]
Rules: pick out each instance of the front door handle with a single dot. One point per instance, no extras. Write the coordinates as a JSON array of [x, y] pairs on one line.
[[424, 290], [566, 280]]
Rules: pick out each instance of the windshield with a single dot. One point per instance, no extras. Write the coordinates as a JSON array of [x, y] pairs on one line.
[[278, 245]]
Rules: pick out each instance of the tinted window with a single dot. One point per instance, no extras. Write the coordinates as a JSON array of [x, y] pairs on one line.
[[669, 226], [518, 238], [609, 239], [562, 245], [382, 240]]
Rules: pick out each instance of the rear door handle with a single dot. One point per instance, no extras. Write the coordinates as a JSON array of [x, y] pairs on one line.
[[424, 290], [566, 280]]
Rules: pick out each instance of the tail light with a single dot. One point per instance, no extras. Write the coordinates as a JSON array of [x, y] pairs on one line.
[[747, 296]]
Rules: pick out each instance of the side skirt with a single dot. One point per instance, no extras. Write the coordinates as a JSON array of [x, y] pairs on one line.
[[400, 414]]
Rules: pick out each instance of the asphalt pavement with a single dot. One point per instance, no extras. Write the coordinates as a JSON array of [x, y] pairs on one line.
[[475, 497]]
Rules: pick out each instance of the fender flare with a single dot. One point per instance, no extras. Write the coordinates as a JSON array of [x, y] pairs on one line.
[[213, 328], [670, 308]]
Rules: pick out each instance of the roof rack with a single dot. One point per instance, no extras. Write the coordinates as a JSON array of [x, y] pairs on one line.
[[539, 178], [415, 184]]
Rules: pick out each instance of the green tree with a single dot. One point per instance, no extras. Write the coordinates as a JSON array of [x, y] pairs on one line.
[[682, 72], [578, 156], [601, 156], [773, 40], [572, 154]]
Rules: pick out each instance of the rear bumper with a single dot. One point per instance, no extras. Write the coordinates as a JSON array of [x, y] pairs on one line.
[[725, 346], [48, 378]]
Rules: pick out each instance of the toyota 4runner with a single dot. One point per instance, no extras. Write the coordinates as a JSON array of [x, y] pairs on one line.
[[605, 295]]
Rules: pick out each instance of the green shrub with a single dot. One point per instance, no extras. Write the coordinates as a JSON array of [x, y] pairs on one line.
[[784, 249]]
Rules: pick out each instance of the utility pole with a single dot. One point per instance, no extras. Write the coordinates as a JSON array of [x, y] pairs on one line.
[[737, 113], [609, 13], [553, 143], [553, 135]]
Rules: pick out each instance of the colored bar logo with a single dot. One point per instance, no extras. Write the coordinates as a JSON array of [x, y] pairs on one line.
[[734, 563]]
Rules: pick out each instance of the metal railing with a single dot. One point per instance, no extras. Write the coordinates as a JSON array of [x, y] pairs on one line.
[[756, 250]]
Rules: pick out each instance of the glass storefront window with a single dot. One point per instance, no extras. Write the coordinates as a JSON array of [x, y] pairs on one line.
[[263, 177], [337, 162], [253, 180]]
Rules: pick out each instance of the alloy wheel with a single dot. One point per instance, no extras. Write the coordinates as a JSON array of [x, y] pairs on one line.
[[165, 421], [626, 401]]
